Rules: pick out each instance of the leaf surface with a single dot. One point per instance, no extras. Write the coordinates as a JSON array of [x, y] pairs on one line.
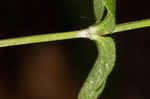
[[104, 64], [95, 82], [98, 10], [109, 22]]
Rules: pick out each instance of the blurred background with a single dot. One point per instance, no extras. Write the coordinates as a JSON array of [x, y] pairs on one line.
[[57, 70]]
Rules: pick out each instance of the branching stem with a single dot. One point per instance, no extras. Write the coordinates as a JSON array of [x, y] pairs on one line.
[[69, 35]]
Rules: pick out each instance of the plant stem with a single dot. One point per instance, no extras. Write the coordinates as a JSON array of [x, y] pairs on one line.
[[132, 25], [69, 35], [38, 38]]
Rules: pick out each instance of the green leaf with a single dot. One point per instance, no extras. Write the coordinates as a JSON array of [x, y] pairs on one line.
[[98, 10], [95, 82], [109, 22]]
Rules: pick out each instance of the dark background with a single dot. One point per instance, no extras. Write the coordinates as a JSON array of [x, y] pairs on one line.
[[56, 70]]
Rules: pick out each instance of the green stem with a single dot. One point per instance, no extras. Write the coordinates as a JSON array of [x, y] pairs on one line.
[[132, 25], [38, 38], [69, 35]]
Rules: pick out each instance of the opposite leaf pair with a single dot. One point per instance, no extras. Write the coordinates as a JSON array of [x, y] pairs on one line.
[[96, 80]]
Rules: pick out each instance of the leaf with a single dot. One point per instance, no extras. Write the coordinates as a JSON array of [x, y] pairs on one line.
[[104, 64], [95, 82], [109, 22], [98, 10]]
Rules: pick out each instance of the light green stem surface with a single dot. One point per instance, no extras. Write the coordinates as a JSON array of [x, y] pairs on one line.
[[38, 38], [69, 35], [132, 25]]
